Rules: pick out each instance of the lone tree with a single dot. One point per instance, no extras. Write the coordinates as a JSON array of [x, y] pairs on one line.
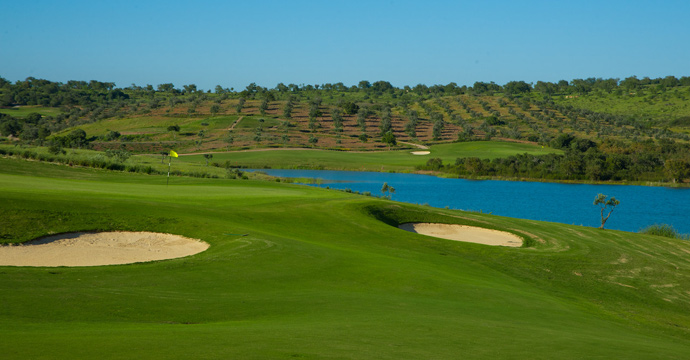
[[174, 129], [208, 157], [387, 190], [603, 203]]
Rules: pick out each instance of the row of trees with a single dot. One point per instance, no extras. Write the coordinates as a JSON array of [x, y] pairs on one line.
[[32, 91], [583, 160]]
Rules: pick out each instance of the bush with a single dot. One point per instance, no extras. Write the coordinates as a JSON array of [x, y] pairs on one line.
[[56, 149], [664, 230]]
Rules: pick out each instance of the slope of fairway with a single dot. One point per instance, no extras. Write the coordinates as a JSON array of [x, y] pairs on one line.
[[326, 275], [398, 160]]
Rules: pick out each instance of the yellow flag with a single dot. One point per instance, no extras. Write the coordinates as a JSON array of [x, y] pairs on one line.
[[173, 154]]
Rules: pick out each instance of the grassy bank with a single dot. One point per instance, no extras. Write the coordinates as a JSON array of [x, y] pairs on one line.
[[325, 274]]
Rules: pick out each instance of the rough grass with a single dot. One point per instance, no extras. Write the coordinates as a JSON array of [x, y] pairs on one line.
[[326, 275]]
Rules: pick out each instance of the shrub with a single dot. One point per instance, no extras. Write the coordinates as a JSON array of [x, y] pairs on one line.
[[664, 230]]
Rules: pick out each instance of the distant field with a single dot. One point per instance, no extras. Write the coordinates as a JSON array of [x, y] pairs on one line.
[[401, 160], [23, 111], [157, 126]]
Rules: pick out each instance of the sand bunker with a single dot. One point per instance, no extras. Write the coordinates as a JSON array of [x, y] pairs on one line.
[[465, 233], [104, 248], [421, 152]]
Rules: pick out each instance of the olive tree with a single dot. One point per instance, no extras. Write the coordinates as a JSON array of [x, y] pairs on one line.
[[389, 138]]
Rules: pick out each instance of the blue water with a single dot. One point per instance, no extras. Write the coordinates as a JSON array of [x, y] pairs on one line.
[[640, 206]]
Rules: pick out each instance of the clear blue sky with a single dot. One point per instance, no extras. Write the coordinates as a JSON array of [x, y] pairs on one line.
[[234, 43]]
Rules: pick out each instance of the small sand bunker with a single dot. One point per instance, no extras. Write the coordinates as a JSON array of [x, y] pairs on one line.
[[103, 248], [465, 233], [421, 152]]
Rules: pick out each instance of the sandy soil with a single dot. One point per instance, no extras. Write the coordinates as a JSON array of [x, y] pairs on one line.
[[104, 248], [465, 233]]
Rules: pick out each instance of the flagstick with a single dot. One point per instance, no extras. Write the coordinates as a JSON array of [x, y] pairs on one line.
[[169, 162]]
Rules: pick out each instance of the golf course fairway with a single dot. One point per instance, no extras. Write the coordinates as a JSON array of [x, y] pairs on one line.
[[308, 273]]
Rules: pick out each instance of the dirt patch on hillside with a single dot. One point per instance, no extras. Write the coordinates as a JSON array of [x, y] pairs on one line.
[[103, 248], [464, 233]]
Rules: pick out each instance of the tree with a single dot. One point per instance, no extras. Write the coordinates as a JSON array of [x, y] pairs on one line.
[[120, 155], [437, 130], [287, 110], [240, 104], [229, 140], [263, 106], [363, 85], [387, 190], [517, 87], [33, 118], [215, 108], [112, 135], [191, 88], [174, 129], [77, 138], [164, 154], [604, 204], [350, 107], [389, 138], [168, 87], [677, 169], [337, 119], [385, 125], [313, 139], [208, 157]]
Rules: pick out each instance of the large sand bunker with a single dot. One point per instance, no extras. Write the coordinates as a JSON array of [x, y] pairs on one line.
[[104, 248], [464, 233]]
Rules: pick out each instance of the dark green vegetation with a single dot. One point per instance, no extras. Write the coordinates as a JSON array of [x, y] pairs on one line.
[[664, 230], [325, 275], [583, 160], [608, 129]]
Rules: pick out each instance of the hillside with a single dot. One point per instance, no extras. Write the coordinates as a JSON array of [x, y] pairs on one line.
[[634, 131]]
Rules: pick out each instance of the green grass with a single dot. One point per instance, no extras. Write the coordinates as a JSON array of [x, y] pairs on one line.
[[155, 125], [401, 160], [23, 111], [323, 275]]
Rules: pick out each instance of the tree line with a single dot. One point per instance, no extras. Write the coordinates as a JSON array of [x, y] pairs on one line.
[[610, 160]]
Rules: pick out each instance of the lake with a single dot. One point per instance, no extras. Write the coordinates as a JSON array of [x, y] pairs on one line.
[[640, 206]]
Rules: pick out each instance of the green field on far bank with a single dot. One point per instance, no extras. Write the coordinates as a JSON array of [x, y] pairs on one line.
[[325, 275], [23, 111], [398, 160]]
